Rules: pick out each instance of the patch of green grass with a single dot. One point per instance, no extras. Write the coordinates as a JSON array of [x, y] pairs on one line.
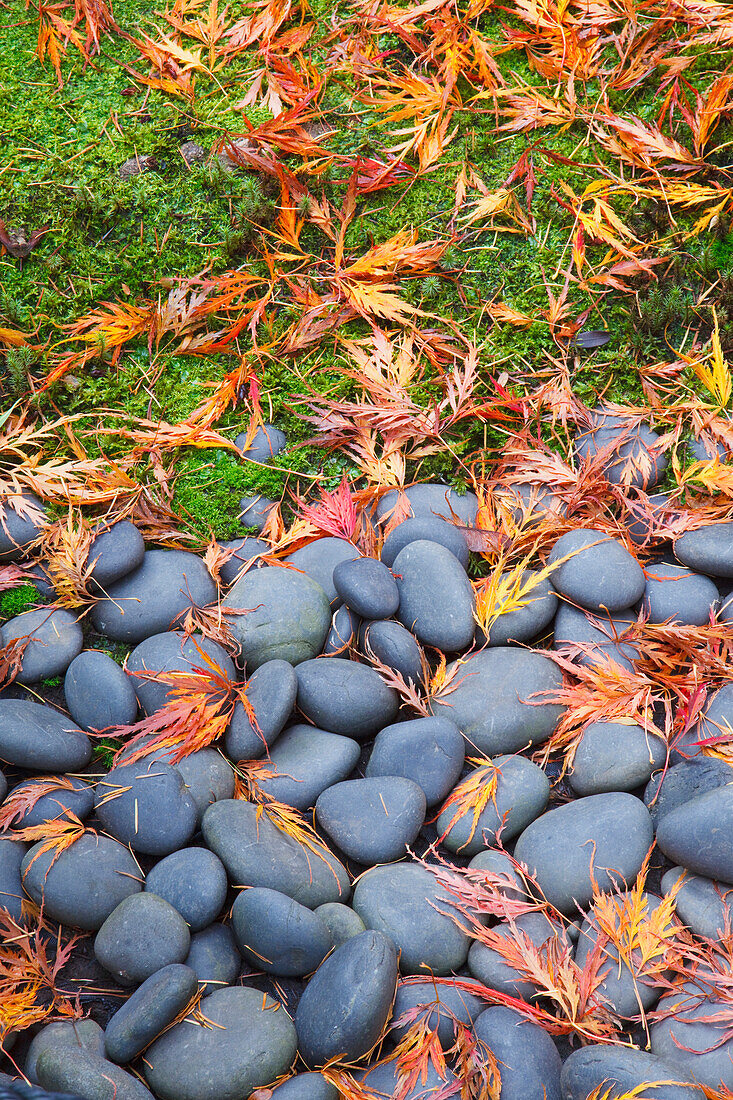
[[17, 600]]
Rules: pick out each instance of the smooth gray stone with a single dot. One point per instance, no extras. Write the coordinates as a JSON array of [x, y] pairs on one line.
[[431, 499], [615, 756], [154, 597], [372, 820], [151, 1008], [430, 529], [344, 625], [613, 830], [488, 965], [678, 595], [271, 691], [85, 883], [529, 502], [41, 739], [382, 1080], [345, 697], [341, 921], [319, 558], [496, 862], [266, 442], [307, 762], [143, 934], [691, 1039], [69, 1070], [11, 885], [600, 636], [715, 721], [147, 806], [288, 616], [254, 511], [439, 1004], [632, 455], [114, 552], [243, 550], [436, 597], [641, 528], [172, 651], [703, 905], [429, 751], [698, 835], [54, 639], [528, 621], [3, 787], [19, 528], [495, 700], [98, 692], [306, 1086], [214, 957], [601, 574], [256, 853], [620, 1068], [252, 1042], [278, 935], [522, 793], [406, 903], [709, 549], [348, 1001], [208, 777], [393, 645], [194, 882], [529, 1062], [55, 804], [367, 587], [84, 1036], [705, 448]]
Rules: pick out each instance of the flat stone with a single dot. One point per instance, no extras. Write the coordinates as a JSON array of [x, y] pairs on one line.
[[367, 587], [620, 1068], [254, 510], [271, 691], [114, 552], [393, 645], [308, 761], [529, 1062], [345, 697], [341, 921], [41, 739], [703, 905], [252, 1042], [344, 626], [172, 651], [348, 1001], [428, 528], [439, 1005], [70, 1070], [319, 558], [436, 597], [11, 885], [287, 616], [495, 699], [154, 597], [84, 1036], [428, 751], [406, 903], [615, 756], [53, 639], [70, 794], [151, 1008], [691, 1038], [539, 604], [194, 882], [488, 965], [266, 442], [431, 499], [612, 831], [708, 549], [600, 574], [140, 936], [147, 806], [278, 935], [372, 820], [698, 835], [256, 853], [632, 455], [98, 692], [83, 884], [214, 957], [677, 595], [599, 638], [22, 519], [245, 549]]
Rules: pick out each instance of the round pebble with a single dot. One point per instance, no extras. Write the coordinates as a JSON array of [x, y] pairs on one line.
[[262, 444], [113, 553], [430, 499], [194, 882], [529, 1062], [436, 597], [595, 571], [214, 958], [278, 935], [703, 905], [538, 604], [307, 761], [11, 885], [271, 691], [620, 1068], [243, 550], [147, 806], [345, 697], [677, 595], [372, 820], [41, 739], [65, 794], [80, 1035], [595, 639], [70, 1070], [440, 1006], [140, 936], [344, 625], [52, 638], [428, 751], [367, 587], [151, 1008], [488, 965], [172, 651], [98, 692], [306, 1086], [390, 644], [341, 921], [428, 528], [615, 756], [698, 835], [707, 549], [254, 511], [631, 452], [319, 558]]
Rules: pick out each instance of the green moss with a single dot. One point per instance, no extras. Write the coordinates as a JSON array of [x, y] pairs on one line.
[[17, 600]]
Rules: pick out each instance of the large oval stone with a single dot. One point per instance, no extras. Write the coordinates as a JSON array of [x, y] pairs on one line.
[[307, 761], [429, 751], [436, 597], [172, 651], [319, 558], [141, 936], [345, 697], [615, 756], [694, 1036], [372, 820], [703, 905], [68, 1070], [538, 604], [52, 639], [194, 882], [114, 552], [98, 692], [151, 1008], [271, 692], [698, 835], [147, 806], [529, 1062], [429, 528], [277, 934], [39, 738], [632, 454], [618, 1069], [674, 594], [595, 638], [442, 1005], [596, 571], [709, 549]]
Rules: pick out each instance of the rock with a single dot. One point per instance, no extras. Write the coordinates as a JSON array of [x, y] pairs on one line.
[[65, 793], [278, 935], [344, 625], [488, 965], [496, 701], [427, 528], [39, 738], [521, 794], [70, 1070], [440, 1006], [521, 624], [620, 1068], [83, 884], [11, 886], [341, 921], [383, 1082], [256, 853], [615, 756], [367, 587], [52, 638], [84, 1036], [496, 862], [214, 957], [348, 1001], [251, 1043], [599, 637], [406, 903], [319, 558], [695, 1036], [345, 697], [243, 550], [528, 502], [254, 511], [147, 806], [192, 152], [135, 166], [431, 499], [172, 651], [142, 935], [703, 905], [208, 778], [194, 882], [529, 1062], [266, 442], [600, 574], [3, 787], [428, 751], [631, 452], [271, 693], [715, 721], [288, 616], [707, 549], [233, 156], [113, 553], [391, 644], [646, 513], [698, 835], [705, 448], [307, 762], [678, 595], [614, 831], [306, 1086], [436, 597], [22, 519], [372, 820], [151, 1008], [98, 692], [154, 597]]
